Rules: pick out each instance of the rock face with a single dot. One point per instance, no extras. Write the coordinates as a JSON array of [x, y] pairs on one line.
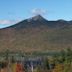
[[36, 34]]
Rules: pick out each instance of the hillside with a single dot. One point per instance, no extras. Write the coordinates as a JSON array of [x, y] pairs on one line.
[[37, 34]]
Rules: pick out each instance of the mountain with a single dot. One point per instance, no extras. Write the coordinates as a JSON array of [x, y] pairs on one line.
[[37, 34]]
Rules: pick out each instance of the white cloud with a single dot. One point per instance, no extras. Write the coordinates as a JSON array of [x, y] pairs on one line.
[[38, 11], [8, 21]]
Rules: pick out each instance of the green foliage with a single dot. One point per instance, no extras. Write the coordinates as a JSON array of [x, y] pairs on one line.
[[61, 62], [46, 63]]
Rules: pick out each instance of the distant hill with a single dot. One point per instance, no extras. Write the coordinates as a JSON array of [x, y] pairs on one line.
[[37, 34]]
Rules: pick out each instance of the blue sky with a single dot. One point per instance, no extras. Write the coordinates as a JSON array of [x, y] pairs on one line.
[[12, 11]]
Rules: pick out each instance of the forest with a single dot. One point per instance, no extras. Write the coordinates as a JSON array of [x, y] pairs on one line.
[[36, 62]]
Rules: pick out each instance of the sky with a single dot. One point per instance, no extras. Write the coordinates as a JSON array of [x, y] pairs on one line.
[[13, 11]]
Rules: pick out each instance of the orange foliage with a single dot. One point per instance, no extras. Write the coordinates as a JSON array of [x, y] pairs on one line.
[[4, 70]]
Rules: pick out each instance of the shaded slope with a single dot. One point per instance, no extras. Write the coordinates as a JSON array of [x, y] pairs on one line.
[[36, 34]]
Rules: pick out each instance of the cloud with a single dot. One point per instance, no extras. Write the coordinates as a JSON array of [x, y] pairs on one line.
[[38, 11], [8, 21]]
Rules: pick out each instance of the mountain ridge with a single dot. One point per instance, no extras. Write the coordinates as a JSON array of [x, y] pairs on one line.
[[39, 18]]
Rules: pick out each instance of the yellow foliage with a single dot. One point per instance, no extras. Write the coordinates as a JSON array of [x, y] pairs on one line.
[[13, 67], [58, 68]]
